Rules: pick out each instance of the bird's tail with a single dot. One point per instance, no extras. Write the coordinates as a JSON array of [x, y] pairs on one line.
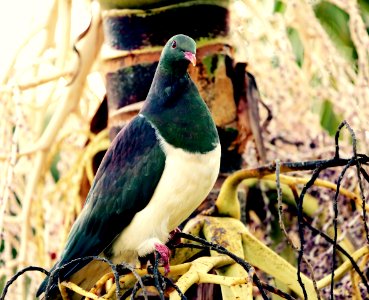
[[53, 287], [42, 287]]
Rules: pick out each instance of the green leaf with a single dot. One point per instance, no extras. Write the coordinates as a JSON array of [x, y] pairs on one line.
[[14, 253], [279, 7], [297, 46], [2, 283], [207, 61], [54, 169], [329, 120], [364, 11], [211, 64], [335, 21], [275, 61]]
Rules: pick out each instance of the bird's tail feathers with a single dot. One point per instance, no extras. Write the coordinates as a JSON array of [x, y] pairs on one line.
[[44, 284]]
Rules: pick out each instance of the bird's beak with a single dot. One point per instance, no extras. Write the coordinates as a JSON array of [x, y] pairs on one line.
[[191, 57]]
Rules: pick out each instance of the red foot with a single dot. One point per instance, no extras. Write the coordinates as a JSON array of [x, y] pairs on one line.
[[173, 233], [164, 255], [174, 239]]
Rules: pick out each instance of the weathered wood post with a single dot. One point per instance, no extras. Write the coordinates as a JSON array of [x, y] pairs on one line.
[[135, 32]]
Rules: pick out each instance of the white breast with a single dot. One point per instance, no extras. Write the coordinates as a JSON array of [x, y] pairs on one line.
[[186, 181]]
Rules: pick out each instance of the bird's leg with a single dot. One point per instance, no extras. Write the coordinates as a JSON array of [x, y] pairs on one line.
[[173, 235], [164, 253], [174, 232], [174, 239], [158, 278]]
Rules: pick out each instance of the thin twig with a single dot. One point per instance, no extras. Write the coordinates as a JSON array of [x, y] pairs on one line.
[[335, 224], [342, 250], [157, 276], [361, 186], [280, 207], [365, 174], [276, 291], [309, 184], [44, 80], [173, 285], [296, 196], [75, 49], [336, 140], [138, 277], [136, 287], [283, 228], [19, 273]]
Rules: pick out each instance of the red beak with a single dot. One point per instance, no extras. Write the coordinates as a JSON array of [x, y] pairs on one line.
[[191, 57]]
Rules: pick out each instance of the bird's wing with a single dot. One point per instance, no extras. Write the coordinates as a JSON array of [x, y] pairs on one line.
[[123, 185]]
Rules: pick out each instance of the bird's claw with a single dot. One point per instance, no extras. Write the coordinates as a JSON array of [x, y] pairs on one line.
[[174, 238], [164, 253], [174, 232]]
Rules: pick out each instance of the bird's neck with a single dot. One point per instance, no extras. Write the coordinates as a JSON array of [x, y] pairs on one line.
[[175, 107], [167, 85], [167, 68]]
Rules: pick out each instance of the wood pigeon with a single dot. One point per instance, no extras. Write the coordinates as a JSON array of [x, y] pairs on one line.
[[156, 172]]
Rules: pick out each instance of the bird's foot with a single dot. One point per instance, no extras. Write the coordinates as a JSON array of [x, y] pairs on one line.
[[174, 239], [164, 253], [174, 232]]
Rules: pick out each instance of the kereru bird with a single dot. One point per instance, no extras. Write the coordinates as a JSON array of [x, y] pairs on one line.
[[157, 171]]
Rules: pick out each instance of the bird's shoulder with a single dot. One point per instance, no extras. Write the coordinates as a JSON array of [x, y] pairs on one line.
[[135, 149]]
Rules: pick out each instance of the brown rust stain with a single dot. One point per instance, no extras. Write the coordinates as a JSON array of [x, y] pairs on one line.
[[218, 234]]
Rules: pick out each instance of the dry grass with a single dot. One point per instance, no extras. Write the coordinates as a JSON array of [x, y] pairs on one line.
[[293, 93]]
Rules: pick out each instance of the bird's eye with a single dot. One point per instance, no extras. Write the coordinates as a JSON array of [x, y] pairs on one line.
[[174, 44]]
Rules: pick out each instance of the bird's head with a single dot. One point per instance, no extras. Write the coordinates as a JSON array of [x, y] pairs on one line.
[[178, 52]]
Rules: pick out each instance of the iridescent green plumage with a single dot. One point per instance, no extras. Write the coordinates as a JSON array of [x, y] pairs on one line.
[[174, 104]]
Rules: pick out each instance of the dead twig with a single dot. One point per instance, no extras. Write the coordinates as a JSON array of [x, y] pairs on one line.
[[19, 273]]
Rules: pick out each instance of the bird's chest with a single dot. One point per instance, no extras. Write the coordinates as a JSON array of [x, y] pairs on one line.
[[186, 180]]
